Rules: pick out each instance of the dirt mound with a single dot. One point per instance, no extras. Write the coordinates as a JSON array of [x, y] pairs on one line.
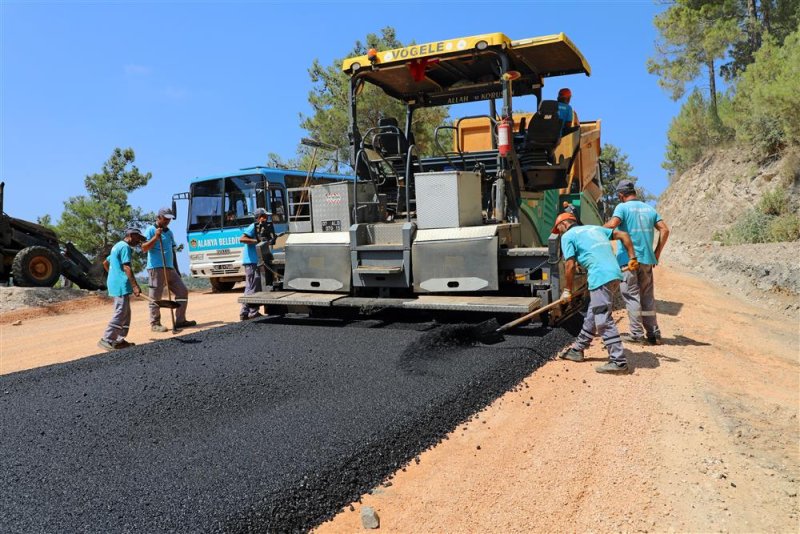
[[718, 190], [712, 196], [14, 298]]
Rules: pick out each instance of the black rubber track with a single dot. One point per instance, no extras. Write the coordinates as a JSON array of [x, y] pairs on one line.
[[250, 427]]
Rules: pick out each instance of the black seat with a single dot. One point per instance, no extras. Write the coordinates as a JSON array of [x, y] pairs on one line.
[[544, 131], [390, 141]]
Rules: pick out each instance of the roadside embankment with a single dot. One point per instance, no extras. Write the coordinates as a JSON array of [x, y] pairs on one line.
[[726, 200]]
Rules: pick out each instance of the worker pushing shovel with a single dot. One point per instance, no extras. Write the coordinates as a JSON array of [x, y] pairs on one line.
[[163, 274], [590, 246]]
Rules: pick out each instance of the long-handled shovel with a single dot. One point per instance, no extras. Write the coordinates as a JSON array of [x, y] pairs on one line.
[[490, 332], [162, 303], [166, 283]]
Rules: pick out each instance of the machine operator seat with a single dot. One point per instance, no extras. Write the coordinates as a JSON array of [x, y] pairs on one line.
[[544, 130], [391, 142]]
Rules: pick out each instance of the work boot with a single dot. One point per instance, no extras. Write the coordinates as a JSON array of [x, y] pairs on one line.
[[255, 315], [572, 354], [654, 340], [185, 324], [158, 327], [106, 345], [613, 368], [630, 338], [123, 344]]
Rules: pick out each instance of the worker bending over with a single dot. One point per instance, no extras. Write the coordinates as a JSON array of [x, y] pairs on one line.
[[640, 221], [590, 246]]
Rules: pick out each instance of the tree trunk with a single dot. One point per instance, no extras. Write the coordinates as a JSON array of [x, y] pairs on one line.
[[712, 89], [753, 34], [765, 14]]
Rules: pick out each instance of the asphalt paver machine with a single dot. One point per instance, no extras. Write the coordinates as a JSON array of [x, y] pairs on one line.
[[467, 228]]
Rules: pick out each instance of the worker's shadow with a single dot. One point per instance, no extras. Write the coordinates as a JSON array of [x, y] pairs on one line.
[[683, 341], [647, 360]]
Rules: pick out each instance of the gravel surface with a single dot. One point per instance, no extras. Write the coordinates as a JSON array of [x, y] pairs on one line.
[[255, 426]]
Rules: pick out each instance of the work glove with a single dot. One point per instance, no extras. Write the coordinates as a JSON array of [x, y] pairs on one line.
[[566, 295], [633, 264]]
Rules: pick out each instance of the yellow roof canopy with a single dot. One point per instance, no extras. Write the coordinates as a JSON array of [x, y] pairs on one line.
[[467, 69]]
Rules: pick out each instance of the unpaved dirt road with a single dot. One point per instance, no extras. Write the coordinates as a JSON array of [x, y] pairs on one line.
[[702, 436]]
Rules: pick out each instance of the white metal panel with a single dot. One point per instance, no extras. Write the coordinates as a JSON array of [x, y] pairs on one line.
[[319, 238], [448, 199], [487, 231]]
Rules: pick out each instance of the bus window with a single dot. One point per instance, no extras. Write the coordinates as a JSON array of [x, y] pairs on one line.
[[205, 207], [242, 198], [277, 202]]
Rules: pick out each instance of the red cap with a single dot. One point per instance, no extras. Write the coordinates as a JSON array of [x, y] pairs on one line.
[[566, 216], [565, 93]]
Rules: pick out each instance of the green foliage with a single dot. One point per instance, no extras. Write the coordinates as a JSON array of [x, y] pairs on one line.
[[786, 228], [329, 101], [693, 35], [46, 221], [775, 202], [767, 101], [770, 221], [622, 170], [695, 130], [94, 222]]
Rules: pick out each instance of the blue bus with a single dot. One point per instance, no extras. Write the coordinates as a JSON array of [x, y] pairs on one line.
[[222, 206]]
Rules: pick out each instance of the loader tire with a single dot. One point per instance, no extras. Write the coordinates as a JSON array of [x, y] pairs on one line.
[[218, 286], [36, 267]]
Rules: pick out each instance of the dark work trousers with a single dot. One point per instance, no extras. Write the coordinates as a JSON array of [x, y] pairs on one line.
[[598, 321], [252, 284], [158, 291], [120, 321], [639, 296]]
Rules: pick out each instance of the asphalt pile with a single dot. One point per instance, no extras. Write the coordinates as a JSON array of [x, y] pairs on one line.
[[250, 427]]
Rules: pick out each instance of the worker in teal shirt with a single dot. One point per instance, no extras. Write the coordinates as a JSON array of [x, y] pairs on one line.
[[565, 112], [252, 236], [590, 246], [639, 220], [121, 283], [162, 271]]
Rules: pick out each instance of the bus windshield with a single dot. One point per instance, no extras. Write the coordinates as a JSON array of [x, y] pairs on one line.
[[205, 207], [225, 203]]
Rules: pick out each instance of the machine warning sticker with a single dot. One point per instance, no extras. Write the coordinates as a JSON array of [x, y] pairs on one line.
[[332, 226]]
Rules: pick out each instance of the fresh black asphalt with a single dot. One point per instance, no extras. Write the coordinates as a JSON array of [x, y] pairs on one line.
[[259, 426]]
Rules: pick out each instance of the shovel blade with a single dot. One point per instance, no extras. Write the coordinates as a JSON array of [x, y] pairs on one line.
[[486, 332], [164, 303]]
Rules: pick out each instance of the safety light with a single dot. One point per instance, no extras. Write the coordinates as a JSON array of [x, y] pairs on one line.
[[481, 45], [511, 75], [372, 55]]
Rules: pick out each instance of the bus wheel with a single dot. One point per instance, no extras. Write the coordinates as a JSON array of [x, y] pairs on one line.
[[218, 286]]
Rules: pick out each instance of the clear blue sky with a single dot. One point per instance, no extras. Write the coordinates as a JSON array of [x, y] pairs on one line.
[[200, 88]]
